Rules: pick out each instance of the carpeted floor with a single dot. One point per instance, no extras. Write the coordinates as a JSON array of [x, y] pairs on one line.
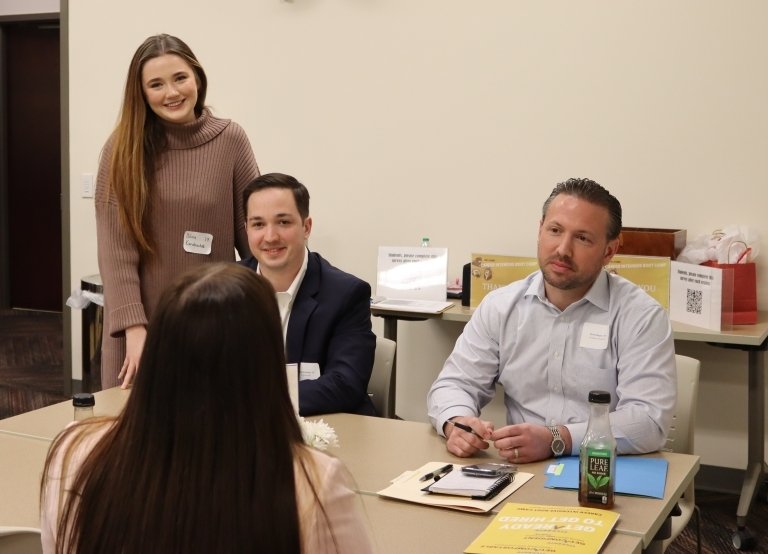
[[31, 355], [718, 522], [31, 366]]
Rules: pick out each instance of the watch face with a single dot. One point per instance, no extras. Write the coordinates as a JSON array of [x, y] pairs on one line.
[[558, 446]]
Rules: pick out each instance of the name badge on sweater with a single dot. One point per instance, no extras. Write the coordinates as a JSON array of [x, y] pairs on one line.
[[197, 243], [594, 335]]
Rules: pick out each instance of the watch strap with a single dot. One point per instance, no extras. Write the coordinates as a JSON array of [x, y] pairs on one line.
[[557, 441]]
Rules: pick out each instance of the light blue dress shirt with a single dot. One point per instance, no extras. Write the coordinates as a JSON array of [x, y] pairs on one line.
[[617, 338]]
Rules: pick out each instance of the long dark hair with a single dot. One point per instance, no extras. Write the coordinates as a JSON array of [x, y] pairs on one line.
[[201, 460]]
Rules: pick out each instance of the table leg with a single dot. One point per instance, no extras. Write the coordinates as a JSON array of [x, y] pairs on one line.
[[756, 468], [390, 332]]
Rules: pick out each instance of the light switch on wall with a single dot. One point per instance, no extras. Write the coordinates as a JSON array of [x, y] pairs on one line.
[[87, 185]]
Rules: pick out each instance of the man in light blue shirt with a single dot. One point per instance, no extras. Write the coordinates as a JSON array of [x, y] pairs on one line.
[[551, 338]]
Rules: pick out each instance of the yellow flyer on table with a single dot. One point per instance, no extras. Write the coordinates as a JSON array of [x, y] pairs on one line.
[[491, 271], [535, 529]]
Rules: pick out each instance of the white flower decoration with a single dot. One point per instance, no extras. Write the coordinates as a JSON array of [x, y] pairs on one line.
[[318, 434]]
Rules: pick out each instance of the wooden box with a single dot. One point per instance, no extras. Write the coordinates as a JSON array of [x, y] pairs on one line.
[[645, 241]]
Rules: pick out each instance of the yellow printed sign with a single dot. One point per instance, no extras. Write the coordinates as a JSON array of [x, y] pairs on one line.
[[650, 273], [492, 271], [529, 528]]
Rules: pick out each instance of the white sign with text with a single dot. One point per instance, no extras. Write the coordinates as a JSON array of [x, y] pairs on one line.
[[695, 295]]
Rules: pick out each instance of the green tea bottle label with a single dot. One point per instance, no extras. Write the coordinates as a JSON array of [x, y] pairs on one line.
[[599, 485]]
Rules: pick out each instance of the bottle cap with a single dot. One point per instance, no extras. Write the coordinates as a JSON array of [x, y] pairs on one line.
[[83, 400], [600, 397]]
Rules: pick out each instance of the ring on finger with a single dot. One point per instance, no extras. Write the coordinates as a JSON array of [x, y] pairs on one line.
[[517, 454]]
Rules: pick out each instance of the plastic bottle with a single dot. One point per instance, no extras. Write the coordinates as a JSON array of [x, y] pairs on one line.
[[425, 241], [83, 403], [597, 455]]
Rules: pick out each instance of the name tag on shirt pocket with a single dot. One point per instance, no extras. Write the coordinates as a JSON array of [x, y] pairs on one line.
[[197, 243], [594, 336], [308, 370]]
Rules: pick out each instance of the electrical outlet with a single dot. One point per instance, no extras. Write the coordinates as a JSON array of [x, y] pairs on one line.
[[87, 185]]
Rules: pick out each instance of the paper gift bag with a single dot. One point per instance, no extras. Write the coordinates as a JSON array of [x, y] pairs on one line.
[[743, 309]]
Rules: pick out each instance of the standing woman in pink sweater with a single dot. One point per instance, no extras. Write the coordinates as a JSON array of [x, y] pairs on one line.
[[168, 194]]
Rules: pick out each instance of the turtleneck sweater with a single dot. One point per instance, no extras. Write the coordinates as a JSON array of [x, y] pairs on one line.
[[198, 184]]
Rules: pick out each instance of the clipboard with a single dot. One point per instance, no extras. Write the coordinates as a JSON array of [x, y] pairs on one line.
[[407, 487]]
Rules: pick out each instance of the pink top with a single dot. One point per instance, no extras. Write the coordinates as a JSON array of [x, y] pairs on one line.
[[344, 531]]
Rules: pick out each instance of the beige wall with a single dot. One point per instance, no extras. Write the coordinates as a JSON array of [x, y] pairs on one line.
[[453, 120]]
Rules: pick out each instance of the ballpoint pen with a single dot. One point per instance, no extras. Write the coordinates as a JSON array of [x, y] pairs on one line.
[[447, 468], [466, 428]]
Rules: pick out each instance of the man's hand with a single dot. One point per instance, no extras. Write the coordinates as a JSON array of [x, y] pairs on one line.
[[527, 442], [134, 346], [463, 443]]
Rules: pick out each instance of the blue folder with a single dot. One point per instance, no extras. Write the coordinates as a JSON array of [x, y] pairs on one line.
[[634, 475]]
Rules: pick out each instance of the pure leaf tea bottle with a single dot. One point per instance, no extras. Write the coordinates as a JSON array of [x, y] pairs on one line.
[[597, 455]]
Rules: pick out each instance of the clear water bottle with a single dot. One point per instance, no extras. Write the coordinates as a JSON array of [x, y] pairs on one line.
[[425, 241], [597, 455], [83, 403]]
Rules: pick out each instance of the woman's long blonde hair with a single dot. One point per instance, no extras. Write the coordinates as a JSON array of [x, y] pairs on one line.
[[138, 138]]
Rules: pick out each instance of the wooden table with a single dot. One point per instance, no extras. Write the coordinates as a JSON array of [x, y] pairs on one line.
[[21, 466], [376, 450], [47, 422]]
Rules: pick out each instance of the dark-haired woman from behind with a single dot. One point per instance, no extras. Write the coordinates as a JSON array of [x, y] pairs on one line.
[[207, 455]]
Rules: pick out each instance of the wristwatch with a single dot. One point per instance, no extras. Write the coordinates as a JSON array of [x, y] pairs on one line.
[[558, 444]]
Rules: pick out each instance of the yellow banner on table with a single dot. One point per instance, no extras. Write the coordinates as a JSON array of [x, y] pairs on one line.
[[650, 273], [528, 528], [491, 271]]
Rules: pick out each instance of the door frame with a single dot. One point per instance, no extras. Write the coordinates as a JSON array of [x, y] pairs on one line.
[[44, 10]]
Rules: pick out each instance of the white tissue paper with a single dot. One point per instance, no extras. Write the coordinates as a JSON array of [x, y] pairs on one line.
[[728, 245], [80, 299]]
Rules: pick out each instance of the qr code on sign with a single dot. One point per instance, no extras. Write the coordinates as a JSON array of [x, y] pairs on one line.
[[693, 302]]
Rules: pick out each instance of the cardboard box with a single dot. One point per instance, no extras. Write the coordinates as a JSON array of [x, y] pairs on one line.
[[646, 241]]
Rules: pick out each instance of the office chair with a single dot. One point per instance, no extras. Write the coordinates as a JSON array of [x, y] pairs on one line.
[[381, 377], [20, 540], [680, 439]]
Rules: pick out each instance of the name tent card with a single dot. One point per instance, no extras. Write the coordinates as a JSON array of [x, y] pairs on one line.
[[698, 295], [412, 279]]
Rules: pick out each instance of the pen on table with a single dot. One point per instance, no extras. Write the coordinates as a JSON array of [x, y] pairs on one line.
[[438, 472], [466, 428]]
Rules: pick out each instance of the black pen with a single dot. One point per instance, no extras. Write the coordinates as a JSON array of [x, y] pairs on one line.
[[466, 428], [447, 468]]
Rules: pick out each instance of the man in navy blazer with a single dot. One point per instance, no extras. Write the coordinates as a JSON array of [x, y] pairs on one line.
[[325, 312]]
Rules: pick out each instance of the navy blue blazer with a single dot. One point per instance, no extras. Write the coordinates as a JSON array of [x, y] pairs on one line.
[[330, 325]]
